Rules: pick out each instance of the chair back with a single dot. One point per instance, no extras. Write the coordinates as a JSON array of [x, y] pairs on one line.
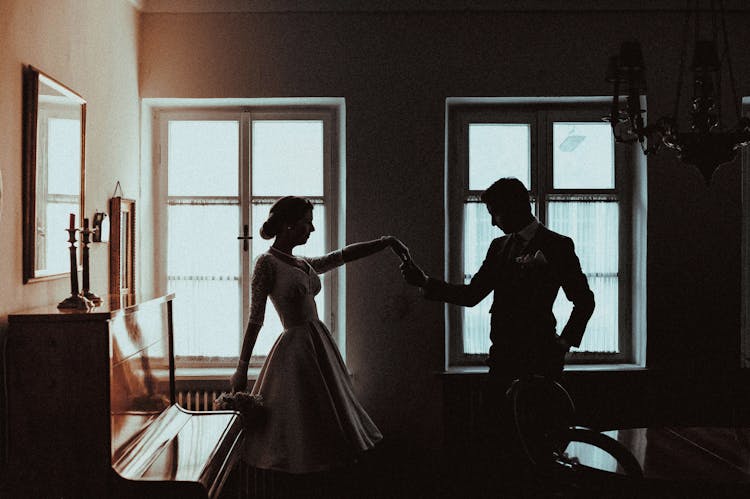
[[542, 412]]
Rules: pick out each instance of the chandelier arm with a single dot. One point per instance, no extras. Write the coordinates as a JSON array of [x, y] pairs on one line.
[[683, 57], [737, 110]]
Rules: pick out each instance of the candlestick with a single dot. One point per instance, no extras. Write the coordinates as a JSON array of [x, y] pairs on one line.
[[75, 300], [85, 232]]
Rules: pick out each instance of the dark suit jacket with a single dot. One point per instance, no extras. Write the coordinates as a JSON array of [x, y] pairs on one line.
[[522, 324]]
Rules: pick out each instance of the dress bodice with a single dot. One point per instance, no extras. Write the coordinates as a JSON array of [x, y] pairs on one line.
[[291, 289]]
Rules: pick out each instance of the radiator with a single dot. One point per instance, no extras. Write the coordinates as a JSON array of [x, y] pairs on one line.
[[197, 400]]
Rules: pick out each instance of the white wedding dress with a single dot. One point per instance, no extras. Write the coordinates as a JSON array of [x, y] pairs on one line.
[[314, 422]]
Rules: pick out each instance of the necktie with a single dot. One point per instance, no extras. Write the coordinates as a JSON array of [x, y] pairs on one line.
[[517, 244]]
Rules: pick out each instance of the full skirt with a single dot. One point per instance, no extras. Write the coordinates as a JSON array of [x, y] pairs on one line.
[[313, 420]]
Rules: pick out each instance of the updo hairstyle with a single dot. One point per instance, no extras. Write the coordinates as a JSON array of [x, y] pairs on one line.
[[286, 211]]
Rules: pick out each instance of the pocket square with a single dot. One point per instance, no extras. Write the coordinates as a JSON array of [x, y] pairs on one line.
[[530, 260]]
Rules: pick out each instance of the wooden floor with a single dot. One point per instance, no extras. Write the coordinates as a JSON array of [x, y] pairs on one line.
[[678, 463]]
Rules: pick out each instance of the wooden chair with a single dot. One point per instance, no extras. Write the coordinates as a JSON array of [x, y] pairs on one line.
[[543, 414]]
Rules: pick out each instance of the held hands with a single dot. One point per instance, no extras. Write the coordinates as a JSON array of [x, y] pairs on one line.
[[410, 270], [238, 380], [398, 247]]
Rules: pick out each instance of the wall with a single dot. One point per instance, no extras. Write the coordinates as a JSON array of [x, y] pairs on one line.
[[395, 71], [91, 46]]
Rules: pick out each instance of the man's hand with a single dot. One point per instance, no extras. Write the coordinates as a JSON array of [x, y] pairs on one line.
[[562, 343], [413, 274]]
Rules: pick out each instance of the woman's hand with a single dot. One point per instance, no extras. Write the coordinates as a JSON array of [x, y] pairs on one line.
[[238, 380], [398, 247]]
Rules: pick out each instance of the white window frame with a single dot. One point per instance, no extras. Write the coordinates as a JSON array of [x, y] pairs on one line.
[[630, 191], [330, 112]]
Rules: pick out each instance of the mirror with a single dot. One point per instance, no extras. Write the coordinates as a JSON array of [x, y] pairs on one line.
[[54, 131]]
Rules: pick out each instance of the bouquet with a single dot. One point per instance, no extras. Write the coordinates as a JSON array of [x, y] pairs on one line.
[[249, 406]]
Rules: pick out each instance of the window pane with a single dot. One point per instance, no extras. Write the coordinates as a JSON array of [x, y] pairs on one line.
[[602, 330], [498, 150], [584, 156], [203, 158], [287, 158], [593, 226], [64, 156], [478, 234], [204, 274], [315, 246]]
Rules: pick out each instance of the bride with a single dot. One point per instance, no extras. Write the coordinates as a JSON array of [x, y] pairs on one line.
[[314, 421]]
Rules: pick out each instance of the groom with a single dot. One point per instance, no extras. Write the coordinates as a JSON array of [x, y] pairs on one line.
[[525, 269]]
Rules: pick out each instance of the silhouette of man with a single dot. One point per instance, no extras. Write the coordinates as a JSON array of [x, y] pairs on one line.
[[525, 269]]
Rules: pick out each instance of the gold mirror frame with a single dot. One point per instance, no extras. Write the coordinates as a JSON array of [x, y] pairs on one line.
[[121, 252], [34, 224]]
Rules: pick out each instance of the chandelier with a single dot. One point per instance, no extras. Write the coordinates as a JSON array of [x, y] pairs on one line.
[[706, 143]]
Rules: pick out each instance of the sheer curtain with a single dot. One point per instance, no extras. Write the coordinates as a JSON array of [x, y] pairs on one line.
[[478, 234], [203, 257], [204, 273], [593, 226]]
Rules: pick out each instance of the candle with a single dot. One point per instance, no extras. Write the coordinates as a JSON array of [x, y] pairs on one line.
[[72, 221]]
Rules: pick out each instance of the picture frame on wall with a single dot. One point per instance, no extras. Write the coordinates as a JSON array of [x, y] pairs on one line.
[[122, 233]]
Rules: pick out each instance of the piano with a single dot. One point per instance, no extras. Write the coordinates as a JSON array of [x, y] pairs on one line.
[[92, 410]]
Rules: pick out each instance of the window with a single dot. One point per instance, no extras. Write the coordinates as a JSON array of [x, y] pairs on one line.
[[580, 183], [59, 136], [223, 169]]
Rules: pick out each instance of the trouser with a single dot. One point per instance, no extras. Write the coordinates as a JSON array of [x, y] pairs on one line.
[[496, 416]]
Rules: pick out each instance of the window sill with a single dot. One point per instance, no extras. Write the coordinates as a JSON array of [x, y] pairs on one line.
[[205, 373]]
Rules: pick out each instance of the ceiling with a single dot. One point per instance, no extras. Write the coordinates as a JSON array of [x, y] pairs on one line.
[[196, 6]]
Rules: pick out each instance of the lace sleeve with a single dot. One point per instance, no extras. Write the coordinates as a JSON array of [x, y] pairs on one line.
[[322, 264], [260, 286]]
